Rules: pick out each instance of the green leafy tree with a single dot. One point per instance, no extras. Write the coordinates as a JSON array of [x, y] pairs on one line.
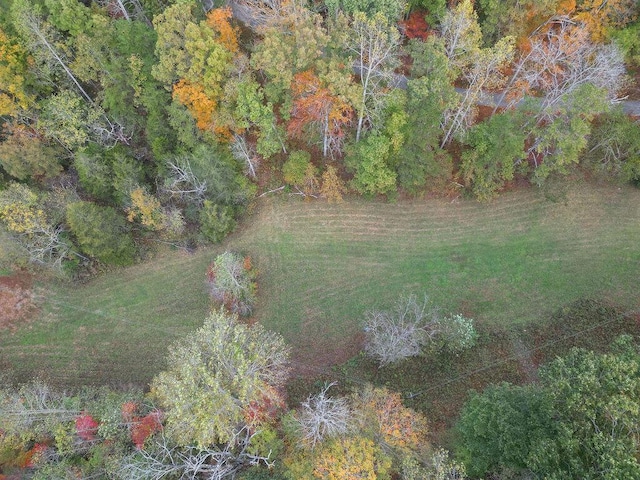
[[295, 168], [496, 146], [500, 427], [213, 377], [421, 162], [252, 111], [614, 146], [594, 403], [101, 233], [580, 422], [373, 175], [561, 140]]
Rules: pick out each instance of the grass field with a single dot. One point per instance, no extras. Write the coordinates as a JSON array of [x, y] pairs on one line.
[[506, 264]]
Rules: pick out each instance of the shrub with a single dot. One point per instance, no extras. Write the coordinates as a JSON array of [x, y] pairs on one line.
[[232, 282]]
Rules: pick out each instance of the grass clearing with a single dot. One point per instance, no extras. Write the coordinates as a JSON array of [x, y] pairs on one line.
[[507, 264], [114, 329]]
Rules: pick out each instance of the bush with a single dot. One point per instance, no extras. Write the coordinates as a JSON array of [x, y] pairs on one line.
[[232, 282]]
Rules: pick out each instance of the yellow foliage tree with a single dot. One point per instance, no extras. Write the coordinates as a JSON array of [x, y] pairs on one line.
[[19, 209], [392, 425], [13, 59], [352, 458], [603, 15], [332, 186], [147, 209]]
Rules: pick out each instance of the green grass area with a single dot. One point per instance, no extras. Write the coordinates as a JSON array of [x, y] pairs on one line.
[[506, 264], [114, 329], [509, 262]]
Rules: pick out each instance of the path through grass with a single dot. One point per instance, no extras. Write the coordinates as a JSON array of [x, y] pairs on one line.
[[322, 266]]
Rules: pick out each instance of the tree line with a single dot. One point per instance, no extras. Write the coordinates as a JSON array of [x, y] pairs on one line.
[[126, 123], [218, 410]]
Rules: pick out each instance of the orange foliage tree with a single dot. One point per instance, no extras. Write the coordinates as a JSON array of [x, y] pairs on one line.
[[201, 106], [317, 109], [218, 20], [388, 421]]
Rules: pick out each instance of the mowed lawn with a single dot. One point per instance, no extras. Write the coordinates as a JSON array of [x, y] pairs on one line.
[[506, 263]]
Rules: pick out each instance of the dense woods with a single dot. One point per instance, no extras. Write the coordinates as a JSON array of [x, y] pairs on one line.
[[129, 124], [159, 121]]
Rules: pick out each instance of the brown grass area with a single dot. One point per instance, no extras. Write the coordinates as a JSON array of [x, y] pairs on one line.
[[16, 300]]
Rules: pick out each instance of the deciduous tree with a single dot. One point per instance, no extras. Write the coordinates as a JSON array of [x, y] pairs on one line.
[[315, 108], [496, 147], [352, 458], [374, 41], [370, 160], [580, 422], [214, 375]]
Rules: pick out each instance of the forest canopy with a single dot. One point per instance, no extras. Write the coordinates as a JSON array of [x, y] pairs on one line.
[[172, 115]]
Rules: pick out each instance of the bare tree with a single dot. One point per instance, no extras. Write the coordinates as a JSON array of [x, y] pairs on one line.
[[411, 327], [32, 404], [164, 460], [482, 74], [460, 31], [562, 58], [479, 68], [375, 43], [401, 333], [127, 9], [182, 183], [257, 13], [322, 416], [246, 154]]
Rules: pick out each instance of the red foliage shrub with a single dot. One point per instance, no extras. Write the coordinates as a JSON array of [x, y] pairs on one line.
[[415, 26], [143, 427], [34, 455], [86, 427], [266, 409], [128, 411]]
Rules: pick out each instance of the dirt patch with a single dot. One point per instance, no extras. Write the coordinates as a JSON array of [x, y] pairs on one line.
[[16, 300]]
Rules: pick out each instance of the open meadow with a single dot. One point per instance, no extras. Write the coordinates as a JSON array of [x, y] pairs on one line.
[[508, 264]]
